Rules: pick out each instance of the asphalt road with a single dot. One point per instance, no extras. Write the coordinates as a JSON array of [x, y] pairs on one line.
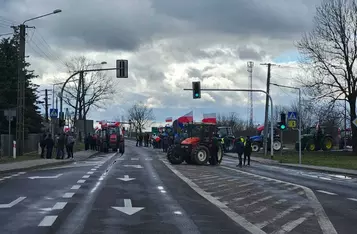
[[278, 199], [337, 193], [110, 193]]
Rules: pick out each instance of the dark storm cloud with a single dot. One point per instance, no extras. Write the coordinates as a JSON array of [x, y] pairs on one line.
[[246, 53], [278, 18]]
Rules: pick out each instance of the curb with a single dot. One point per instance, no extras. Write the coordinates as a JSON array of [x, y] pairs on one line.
[[44, 165]]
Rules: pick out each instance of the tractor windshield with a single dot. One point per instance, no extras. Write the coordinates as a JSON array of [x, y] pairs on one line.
[[222, 132]]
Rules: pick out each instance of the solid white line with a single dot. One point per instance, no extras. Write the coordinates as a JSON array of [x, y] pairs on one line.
[[8, 177], [352, 199], [81, 181], [85, 176], [225, 209], [47, 221], [325, 223], [90, 172], [75, 187], [68, 195], [288, 227], [59, 205], [325, 192]]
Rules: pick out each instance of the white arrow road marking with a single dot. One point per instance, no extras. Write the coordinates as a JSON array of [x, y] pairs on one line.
[[135, 166], [128, 208], [45, 177], [126, 178], [11, 204], [48, 221]]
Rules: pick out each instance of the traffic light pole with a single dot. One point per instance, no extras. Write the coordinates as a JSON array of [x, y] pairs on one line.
[[272, 111], [299, 115]]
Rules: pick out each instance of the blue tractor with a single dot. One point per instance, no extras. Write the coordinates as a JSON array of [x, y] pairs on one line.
[[257, 140]]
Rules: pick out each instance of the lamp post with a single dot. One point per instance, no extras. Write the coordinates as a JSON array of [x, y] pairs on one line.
[[299, 114], [20, 120]]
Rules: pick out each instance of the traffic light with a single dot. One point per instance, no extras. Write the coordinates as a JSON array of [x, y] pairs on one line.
[[196, 87], [282, 121]]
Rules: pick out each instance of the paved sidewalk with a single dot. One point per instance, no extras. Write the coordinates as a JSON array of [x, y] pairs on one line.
[[37, 163], [316, 168]]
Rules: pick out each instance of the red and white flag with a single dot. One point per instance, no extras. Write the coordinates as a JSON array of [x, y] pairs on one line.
[[186, 118], [209, 118], [168, 119]]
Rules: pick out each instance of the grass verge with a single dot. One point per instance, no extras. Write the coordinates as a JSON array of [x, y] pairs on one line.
[[335, 159]]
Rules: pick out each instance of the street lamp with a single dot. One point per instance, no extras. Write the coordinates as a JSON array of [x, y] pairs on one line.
[[299, 114], [20, 120]]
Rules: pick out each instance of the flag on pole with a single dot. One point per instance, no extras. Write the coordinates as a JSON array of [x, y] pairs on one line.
[[209, 118], [168, 119], [186, 118]]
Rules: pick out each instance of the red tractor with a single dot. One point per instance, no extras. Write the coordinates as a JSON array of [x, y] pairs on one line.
[[202, 145], [111, 136]]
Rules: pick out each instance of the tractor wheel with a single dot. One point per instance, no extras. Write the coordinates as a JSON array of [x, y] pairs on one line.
[[310, 146], [200, 155], [327, 144], [174, 155], [217, 159], [277, 145], [255, 147]]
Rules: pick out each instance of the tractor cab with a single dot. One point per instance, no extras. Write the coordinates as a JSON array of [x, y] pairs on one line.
[[200, 146], [228, 137]]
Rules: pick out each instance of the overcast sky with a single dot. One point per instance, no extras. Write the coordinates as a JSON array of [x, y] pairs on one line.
[[168, 44]]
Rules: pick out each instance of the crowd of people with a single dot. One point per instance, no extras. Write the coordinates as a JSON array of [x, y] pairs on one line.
[[62, 143]]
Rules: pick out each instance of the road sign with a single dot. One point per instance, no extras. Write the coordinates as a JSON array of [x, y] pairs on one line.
[[292, 124], [292, 115], [355, 122], [122, 68], [54, 113]]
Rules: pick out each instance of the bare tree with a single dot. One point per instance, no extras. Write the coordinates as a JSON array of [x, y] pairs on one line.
[[231, 120], [98, 87], [140, 115], [330, 51]]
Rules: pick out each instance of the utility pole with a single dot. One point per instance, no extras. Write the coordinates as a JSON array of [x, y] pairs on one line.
[[46, 105], [20, 125], [250, 66], [267, 111]]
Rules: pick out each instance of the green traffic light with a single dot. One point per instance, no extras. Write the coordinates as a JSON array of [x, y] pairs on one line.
[[282, 126], [196, 94]]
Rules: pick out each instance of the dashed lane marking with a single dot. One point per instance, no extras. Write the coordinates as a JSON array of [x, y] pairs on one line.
[[85, 176], [59, 205], [326, 192], [75, 187], [47, 221], [68, 195], [90, 172], [81, 181]]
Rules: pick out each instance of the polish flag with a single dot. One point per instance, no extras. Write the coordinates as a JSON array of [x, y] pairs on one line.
[[209, 118], [168, 119], [186, 118]]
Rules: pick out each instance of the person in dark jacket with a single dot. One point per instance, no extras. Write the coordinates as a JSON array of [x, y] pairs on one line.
[[60, 146], [247, 150], [43, 145], [87, 141], [49, 146], [240, 150]]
